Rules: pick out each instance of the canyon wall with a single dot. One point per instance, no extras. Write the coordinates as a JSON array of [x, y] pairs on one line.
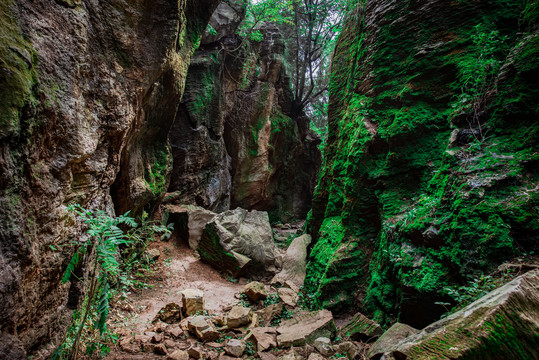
[[88, 92], [430, 177], [235, 142]]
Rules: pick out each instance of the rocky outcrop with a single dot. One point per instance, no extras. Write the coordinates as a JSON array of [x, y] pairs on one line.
[[88, 91], [431, 162], [235, 142], [501, 325]]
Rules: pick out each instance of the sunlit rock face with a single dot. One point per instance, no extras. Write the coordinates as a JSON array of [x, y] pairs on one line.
[[430, 176], [89, 91], [234, 142]]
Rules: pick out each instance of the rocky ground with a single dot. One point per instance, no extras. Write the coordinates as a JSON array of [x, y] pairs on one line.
[[186, 309]]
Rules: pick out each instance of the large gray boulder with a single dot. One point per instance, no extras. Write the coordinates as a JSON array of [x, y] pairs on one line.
[[239, 241], [294, 262], [189, 221], [504, 324]]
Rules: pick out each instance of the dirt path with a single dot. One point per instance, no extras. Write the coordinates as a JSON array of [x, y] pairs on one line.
[[176, 269]]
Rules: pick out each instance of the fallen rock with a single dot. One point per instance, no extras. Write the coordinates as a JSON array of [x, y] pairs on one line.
[[294, 262], [158, 338], [238, 317], [239, 241], [189, 221], [361, 328], [178, 355], [291, 356], [169, 314], [255, 291], [267, 314], [315, 356], [348, 348], [129, 345], [235, 347], [323, 345], [306, 328], [195, 352], [175, 332], [501, 325], [153, 254], [288, 296], [160, 349], [193, 301], [392, 336], [267, 356], [262, 337], [202, 328]]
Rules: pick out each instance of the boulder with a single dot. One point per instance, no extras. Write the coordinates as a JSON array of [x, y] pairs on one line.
[[160, 349], [323, 345], [294, 262], [195, 352], [169, 314], [235, 347], [267, 314], [263, 337], [306, 328], [501, 325], [315, 356], [153, 254], [239, 242], [238, 316], [361, 328], [292, 355], [288, 296], [255, 291], [128, 345], [396, 333], [178, 355], [193, 301], [348, 348], [202, 328], [189, 221]]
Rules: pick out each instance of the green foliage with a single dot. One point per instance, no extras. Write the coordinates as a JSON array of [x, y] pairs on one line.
[[105, 239], [262, 11]]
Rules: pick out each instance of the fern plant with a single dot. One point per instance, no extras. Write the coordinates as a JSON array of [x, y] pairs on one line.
[[105, 240]]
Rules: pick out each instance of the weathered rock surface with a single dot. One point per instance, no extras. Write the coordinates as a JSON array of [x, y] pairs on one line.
[[178, 355], [238, 316], [88, 93], [323, 346], [235, 142], [361, 328], [294, 262], [255, 291], [235, 347], [288, 296], [267, 314], [398, 194], [263, 337], [392, 336], [193, 301], [304, 329], [189, 221], [239, 241], [502, 324], [170, 314], [202, 328]]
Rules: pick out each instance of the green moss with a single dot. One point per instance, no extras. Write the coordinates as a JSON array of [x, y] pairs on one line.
[[17, 72]]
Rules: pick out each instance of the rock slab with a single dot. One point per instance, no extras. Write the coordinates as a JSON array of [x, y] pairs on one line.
[[304, 329]]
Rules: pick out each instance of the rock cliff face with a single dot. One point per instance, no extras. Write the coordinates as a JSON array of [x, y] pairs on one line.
[[234, 141], [431, 174], [88, 91]]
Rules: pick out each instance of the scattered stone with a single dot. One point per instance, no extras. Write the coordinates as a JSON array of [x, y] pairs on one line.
[[306, 328], [153, 254], [201, 328], [160, 326], [267, 314], [129, 345], [315, 356], [169, 314], [323, 345], [507, 316], [349, 348], [288, 296], [160, 349], [178, 355], [212, 355], [255, 291], [195, 352], [193, 301], [294, 263], [263, 338], [361, 328], [392, 336], [219, 320], [235, 347], [158, 338], [214, 345], [175, 332], [291, 356], [238, 317], [267, 356]]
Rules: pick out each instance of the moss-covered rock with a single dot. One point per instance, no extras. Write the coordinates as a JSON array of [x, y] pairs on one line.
[[431, 155]]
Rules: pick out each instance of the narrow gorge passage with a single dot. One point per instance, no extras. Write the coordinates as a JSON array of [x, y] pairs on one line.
[[269, 179]]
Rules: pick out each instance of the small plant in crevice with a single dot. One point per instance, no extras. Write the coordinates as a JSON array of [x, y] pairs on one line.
[[103, 246]]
